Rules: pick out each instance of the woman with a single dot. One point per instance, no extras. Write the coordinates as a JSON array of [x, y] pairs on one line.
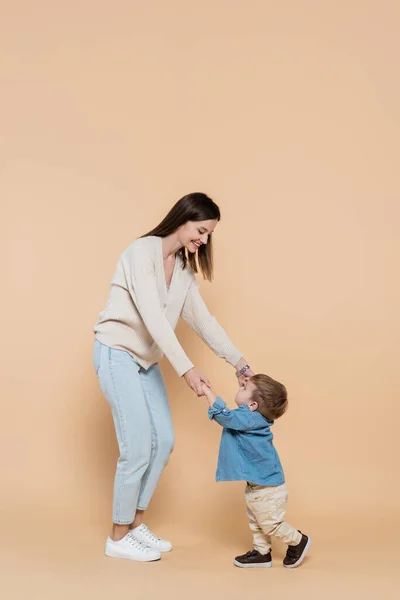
[[154, 284]]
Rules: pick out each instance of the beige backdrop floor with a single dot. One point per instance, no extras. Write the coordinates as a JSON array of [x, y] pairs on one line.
[[44, 560]]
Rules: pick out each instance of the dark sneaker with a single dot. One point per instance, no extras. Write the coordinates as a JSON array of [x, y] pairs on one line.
[[295, 554], [253, 559]]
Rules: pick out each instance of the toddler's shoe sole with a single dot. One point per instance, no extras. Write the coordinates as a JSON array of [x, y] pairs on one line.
[[265, 565], [302, 557]]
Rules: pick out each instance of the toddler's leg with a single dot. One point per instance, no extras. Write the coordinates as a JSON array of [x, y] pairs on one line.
[[260, 556], [268, 505], [261, 542]]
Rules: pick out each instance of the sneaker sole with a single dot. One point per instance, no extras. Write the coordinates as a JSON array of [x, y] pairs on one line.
[[127, 557], [265, 565], [302, 557]]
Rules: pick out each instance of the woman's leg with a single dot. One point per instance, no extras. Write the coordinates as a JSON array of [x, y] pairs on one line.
[[120, 380], [162, 434], [138, 519]]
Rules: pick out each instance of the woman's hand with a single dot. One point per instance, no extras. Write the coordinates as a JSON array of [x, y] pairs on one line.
[[247, 374], [195, 379]]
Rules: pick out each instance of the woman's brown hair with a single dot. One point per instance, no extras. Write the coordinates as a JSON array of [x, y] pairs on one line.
[[192, 207]]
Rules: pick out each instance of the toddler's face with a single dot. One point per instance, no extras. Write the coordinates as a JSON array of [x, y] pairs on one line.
[[244, 395]]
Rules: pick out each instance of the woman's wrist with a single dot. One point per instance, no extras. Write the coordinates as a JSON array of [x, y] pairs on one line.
[[243, 368], [242, 363], [242, 371]]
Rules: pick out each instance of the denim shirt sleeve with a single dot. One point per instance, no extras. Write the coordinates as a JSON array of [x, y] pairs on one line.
[[240, 419]]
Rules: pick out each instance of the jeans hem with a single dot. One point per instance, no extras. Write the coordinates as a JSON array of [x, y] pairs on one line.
[[121, 522]]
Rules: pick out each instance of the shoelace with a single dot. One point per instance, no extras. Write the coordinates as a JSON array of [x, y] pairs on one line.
[[251, 553], [134, 542], [149, 534]]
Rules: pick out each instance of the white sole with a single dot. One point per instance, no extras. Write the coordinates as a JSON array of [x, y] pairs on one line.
[[113, 554], [162, 551], [302, 557], [253, 566]]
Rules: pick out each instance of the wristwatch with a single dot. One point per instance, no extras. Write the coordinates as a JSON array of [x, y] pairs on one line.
[[242, 370]]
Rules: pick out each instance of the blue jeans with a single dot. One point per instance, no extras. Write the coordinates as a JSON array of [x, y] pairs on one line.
[[143, 425]]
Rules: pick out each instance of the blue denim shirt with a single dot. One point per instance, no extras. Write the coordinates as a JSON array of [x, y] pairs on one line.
[[246, 451]]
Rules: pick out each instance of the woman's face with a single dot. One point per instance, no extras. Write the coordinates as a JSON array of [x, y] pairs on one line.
[[195, 233]]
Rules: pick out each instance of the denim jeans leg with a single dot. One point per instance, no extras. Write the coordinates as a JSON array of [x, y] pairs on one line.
[[162, 431], [120, 381]]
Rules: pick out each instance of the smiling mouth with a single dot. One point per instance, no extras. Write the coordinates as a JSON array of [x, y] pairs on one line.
[[197, 244]]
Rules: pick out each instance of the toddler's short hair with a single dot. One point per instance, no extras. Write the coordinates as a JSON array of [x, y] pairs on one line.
[[270, 395]]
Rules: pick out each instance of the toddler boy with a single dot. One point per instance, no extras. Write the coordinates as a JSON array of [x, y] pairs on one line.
[[247, 453]]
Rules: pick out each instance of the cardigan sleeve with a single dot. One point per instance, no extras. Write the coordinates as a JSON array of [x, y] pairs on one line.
[[198, 317]]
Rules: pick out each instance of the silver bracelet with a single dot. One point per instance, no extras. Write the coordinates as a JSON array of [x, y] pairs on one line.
[[242, 370]]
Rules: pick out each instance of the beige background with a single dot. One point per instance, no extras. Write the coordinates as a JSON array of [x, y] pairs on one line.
[[287, 114]]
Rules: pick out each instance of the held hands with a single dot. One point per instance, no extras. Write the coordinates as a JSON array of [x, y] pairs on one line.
[[197, 381], [209, 394], [201, 385]]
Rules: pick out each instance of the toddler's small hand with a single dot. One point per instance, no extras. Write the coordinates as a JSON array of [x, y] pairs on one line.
[[209, 394]]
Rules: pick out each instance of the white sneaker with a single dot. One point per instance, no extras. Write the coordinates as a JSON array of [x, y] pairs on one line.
[[130, 547], [145, 536]]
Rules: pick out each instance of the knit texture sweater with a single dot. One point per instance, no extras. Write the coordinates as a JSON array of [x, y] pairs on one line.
[[141, 313]]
